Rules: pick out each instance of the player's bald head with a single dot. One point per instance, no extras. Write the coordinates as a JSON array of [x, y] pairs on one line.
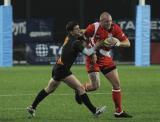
[[105, 15], [105, 20]]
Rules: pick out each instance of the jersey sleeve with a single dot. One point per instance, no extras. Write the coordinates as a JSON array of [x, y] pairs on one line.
[[90, 30], [119, 33], [78, 46]]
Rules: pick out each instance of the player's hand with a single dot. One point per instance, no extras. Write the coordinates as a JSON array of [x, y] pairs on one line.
[[111, 42]]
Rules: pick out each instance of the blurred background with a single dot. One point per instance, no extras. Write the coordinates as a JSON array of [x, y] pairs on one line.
[[39, 27]]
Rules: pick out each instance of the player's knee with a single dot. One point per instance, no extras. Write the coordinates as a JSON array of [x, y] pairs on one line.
[[47, 90], [51, 86], [116, 87], [96, 86], [80, 89]]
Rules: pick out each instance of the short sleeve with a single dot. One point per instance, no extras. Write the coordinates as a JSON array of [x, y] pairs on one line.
[[119, 33], [90, 30]]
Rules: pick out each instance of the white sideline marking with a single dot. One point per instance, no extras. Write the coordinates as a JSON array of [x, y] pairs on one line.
[[7, 109], [62, 94]]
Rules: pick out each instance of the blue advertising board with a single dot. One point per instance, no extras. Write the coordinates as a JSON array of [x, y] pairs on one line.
[[33, 30]]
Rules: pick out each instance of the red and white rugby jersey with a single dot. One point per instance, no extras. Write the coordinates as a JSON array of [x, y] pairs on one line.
[[97, 32]]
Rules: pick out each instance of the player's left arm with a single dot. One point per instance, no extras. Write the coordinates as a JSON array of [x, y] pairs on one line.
[[81, 46], [125, 43], [122, 38]]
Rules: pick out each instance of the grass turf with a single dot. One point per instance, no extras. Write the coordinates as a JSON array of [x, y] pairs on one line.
[[20, 84]]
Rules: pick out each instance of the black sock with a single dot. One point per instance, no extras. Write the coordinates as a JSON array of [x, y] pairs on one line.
[[88, 103], [41, 95]]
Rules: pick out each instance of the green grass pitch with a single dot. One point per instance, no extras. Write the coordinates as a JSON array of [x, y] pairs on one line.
[[19, 85]]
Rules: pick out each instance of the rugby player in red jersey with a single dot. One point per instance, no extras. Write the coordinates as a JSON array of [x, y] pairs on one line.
[[102, 30]]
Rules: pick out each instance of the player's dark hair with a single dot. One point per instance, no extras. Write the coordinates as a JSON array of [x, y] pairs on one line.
[[70, 25]]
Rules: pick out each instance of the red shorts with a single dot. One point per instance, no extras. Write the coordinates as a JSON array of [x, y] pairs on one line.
[[104, 64]]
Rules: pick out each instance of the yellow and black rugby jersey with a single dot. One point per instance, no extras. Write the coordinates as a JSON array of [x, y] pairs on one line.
[[70, 50]]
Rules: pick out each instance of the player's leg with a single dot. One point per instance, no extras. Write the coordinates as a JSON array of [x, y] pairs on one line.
[[74, 83], [52, 85], [108, 68], [89, 86], [93, 74], [94, 83], [113, 78], [94, 79]]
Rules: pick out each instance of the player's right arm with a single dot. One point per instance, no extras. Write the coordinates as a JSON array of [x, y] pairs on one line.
[[89, 31], [92, 50]]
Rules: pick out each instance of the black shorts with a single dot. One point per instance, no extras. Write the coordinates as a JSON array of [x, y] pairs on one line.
[[105, 71], [60, 72]]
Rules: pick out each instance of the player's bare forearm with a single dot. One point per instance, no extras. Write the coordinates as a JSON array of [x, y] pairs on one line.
[[125, 43], [83, 31]]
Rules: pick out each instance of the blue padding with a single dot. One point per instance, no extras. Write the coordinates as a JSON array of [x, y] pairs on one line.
[[6, 41], [142, 42]]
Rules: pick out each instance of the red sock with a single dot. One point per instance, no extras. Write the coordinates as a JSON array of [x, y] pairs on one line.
[[116, 96]]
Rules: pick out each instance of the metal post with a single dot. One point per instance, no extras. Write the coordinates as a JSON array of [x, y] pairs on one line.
[[142, 41], [6, 39], [7, 2], [142, 2]]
